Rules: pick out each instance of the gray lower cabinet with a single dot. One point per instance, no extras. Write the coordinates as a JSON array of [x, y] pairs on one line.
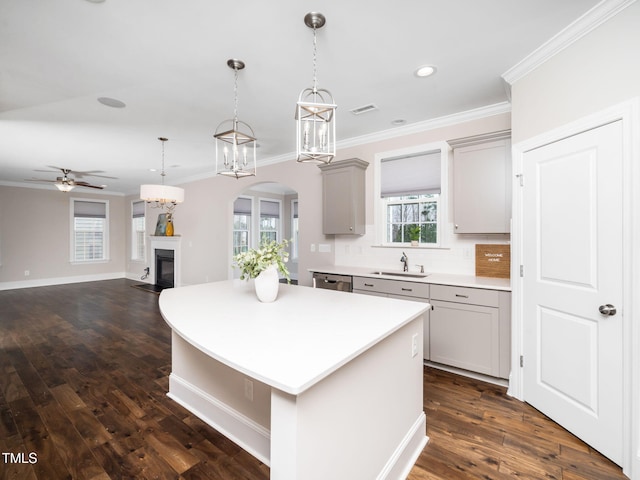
[[470, 329], [382, 287], [467, 328]]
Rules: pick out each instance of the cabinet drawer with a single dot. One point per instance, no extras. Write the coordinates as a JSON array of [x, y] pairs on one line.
[[471, 296], [392, 287]]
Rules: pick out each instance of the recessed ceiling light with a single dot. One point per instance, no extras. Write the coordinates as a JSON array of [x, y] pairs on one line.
[[111, 102], [95, 1], [398, 121], [426, 71]]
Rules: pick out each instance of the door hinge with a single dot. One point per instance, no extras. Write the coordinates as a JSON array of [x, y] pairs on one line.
[[522, 270], [521, 361], [520, 177]]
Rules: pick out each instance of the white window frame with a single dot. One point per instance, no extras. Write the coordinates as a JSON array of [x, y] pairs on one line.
[[250, 226], [295, 242], [278, 229], [134, 234], [380, 204], [72, 236]]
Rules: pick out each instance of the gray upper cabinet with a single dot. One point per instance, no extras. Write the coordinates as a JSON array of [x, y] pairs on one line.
[[343, 197], [482, 184]]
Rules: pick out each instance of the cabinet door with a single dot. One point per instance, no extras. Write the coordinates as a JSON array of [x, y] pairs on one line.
[[482, 188], [465, 336], [343, 197]]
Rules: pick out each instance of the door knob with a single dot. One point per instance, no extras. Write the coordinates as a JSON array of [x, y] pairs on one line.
[[607, 309]]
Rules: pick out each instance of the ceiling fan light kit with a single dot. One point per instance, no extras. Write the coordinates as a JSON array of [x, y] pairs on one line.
[[162, 196], [235, 140], [315, 112]]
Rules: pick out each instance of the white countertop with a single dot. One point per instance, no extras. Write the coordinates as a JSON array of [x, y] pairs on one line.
[[290, 344], [433, 278]]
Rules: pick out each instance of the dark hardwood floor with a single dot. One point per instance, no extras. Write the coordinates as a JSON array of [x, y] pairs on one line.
[[83, 381]]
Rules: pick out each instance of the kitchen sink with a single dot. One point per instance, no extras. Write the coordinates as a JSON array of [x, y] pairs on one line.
[[402, 274]]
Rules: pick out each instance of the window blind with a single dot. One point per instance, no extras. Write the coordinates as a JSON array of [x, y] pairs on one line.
[[89, 209], [269, 209], [242, 206], [410, 175], [137, 209]]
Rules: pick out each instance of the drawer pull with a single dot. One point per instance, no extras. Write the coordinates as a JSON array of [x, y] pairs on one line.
[[368, 284], [461, 296], [407, 289]]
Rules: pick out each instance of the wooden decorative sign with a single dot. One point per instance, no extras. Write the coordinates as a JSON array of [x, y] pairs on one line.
[[493, 261]]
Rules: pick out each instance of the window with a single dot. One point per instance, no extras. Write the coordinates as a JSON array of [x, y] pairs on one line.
[[241, 224], [269, 220], [411, 197], [294, 229], [138, 230], [90, 235]]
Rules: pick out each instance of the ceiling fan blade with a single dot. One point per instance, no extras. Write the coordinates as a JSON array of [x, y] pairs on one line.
[[88, 185]]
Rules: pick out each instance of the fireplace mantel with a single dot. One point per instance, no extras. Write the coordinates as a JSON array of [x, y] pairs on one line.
[[166, 243]]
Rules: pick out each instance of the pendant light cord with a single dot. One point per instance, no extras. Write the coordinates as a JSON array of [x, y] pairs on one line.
[[162, 174], [235, 98], [315, 61]]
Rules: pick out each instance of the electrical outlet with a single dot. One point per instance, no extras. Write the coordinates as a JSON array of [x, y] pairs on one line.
[[414, 345], [27, 273], [248, 389]]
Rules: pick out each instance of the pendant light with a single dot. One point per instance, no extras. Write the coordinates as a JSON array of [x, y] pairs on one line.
[[235, 140], [162, 196], [315, 112]]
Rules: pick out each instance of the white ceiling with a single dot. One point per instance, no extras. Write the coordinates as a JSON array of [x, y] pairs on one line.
[[166, 60]]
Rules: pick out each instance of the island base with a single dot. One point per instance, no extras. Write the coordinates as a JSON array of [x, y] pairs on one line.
[[364, 420]]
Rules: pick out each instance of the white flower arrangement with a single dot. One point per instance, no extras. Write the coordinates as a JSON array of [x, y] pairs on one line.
[[254, 261]]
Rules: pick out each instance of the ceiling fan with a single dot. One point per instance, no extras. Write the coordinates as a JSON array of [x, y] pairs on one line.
[[65, 183]]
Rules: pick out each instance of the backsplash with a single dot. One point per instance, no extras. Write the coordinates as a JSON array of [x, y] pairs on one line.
[[457, 255]]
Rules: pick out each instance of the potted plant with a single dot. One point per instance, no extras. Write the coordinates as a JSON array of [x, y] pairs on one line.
[[263, 264], [414, 234]]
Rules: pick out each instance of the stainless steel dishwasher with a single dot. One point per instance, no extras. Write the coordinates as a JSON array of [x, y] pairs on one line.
[[332, 282]]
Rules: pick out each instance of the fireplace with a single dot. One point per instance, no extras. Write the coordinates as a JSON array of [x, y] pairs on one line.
[[165, 261], [165, 271]]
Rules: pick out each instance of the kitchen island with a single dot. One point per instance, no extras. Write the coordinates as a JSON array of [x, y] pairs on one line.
[[318, 384]]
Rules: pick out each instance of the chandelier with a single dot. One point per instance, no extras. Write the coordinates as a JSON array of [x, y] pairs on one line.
[[235, 140], [162, 196], [315, 112]]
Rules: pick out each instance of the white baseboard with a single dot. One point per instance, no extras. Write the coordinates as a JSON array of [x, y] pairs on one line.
[[249, 435], [404, 458], [45, 282]]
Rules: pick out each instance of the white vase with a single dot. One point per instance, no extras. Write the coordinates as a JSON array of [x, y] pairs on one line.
[[267, 283]]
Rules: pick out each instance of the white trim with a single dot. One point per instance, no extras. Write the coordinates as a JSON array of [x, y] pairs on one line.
[[418, 127], [72, 234], [379, 213], [406, 455], [240, 429], [279, 228], [588, 22], [166, 243], [45, 282], [629, 113]]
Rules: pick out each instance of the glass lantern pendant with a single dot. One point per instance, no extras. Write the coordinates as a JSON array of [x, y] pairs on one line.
[[235, 140], [315, 113]]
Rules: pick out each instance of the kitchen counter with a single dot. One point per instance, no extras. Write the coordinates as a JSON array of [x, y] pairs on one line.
[[313, 381], [455, 280]]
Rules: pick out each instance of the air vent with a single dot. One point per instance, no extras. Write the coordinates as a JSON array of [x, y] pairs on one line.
[[364, 109]]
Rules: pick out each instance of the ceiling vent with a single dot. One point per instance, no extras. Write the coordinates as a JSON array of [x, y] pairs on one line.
[[364, 109]]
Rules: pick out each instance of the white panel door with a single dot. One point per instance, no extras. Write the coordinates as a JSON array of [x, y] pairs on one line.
[[572, 256]]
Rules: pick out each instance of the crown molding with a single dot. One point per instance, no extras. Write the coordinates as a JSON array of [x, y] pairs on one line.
[[588, 22]]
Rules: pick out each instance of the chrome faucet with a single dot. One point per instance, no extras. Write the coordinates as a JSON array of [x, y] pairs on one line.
[[405, 260]]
